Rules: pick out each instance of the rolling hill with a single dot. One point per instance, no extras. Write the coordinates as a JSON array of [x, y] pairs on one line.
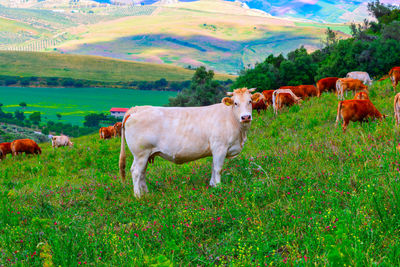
[[28, 64], [221, 35]]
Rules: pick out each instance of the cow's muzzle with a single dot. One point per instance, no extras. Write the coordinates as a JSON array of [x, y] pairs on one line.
[[246, 118]]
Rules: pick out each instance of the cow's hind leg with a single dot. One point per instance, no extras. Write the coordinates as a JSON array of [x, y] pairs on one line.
[[138, 170], [218, 161]]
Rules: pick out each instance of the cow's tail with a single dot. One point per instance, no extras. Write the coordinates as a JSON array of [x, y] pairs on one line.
[[122, 154], [339, 113], [274, 101], [339, 88]]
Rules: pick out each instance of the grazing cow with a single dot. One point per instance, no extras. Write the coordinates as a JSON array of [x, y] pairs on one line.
[[183, 134], [356, 110], [5, 148], [25, 145], [283, 97], [303, 91], [107, 132], [327, 84], [361, 96], [260, 104], [360, 75], [397, 108], [394, 75], [268, 97], [347, 84], [117, 128], [62, 140]]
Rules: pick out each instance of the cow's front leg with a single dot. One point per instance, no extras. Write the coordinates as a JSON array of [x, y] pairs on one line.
[[218, 162]]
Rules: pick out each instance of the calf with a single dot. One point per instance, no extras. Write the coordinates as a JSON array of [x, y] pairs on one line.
[[25, 145], [5, 148], [62, 140], [327, 84], [361, 96], [284, 97], [397, 108], [349, 84], [356, 110], [107, 132], [268, 97], [117, 128]]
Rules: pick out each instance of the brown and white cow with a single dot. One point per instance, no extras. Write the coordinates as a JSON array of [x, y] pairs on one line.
[[361, 96], [62, 140], [360, 75], [5, 148], [327, 84], [349, 84], [284, 97], [25, 145], [394, 75], [107, 132], [356, 110], [183, 134], [117, 128]]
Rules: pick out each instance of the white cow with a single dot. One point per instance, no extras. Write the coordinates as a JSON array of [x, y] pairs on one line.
[[360, 75], [275, 102], [185, 134], [62, 140]]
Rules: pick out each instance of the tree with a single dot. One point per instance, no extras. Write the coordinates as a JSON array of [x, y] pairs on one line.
[[59, 116], [203, 90], [19, 115], [93, 120], [35, 117], [23, 105]]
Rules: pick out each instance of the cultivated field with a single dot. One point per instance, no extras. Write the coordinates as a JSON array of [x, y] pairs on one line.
[[75, 103], [300, 193], [28, 64]]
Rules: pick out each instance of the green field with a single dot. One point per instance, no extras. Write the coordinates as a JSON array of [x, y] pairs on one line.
[[75, 103], [28, 64], [301, 193]]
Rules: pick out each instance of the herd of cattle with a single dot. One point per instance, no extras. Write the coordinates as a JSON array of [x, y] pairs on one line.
[[358, 109], [185, 134]]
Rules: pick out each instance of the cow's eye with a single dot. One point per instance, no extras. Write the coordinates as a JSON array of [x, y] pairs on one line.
[[250, 102], [236, 103]]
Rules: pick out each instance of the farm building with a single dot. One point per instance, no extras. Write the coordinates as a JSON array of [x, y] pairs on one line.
[[118, 112]]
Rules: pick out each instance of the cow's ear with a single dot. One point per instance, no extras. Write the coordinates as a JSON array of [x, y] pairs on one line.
[[256, 97], [252, 90], [227, 101]]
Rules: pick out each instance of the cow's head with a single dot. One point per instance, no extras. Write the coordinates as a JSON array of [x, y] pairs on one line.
[[70, 144], [241, 101]]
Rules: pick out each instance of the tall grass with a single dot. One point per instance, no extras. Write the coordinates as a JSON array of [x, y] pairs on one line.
[[300, 193]]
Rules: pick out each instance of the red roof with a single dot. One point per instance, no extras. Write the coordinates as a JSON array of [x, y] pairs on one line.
[[119, 109]]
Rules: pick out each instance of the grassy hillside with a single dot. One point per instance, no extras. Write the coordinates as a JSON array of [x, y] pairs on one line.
[[301, 192], [95, 68]]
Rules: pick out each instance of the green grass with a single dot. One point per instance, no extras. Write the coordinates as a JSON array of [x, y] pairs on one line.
[[336, 27], [300, 193], [75, 103], [95, 68]]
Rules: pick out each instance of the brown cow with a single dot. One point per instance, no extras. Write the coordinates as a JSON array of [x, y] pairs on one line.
[[356, 110], [107, 132], [394, 75], [268, 96], [5, 148], [397, 108], [349, 84], [327, 84], [117, 128], [284, 97], [303, 91], [361, 96], [25, 145]]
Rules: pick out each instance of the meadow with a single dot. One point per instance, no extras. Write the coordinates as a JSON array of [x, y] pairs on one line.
[[300, 193], [75, 103]]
